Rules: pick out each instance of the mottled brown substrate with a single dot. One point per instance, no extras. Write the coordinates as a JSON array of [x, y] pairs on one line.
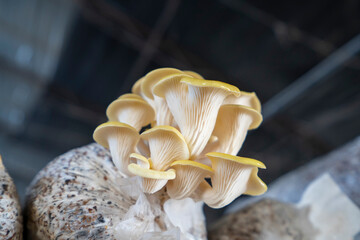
[[10, 210], [76, 197], [81, 195], [265, 220]]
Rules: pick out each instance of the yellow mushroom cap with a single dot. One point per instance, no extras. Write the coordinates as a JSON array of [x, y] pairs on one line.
[[211, 84], [163, 114], [189, 175], [255, 115], [153, 77], [137, 86], [215, 156], [255, 185], [131, 96], [193, 74], [150, 173], [166, 145], [161, 87], [151, 180], [192, 164], [120, 139], [132, 111], [232, 177], [141, 160], [248, 99], [161, 130], [103, 131]]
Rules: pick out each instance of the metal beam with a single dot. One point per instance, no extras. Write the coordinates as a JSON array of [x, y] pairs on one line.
[[315, 76]]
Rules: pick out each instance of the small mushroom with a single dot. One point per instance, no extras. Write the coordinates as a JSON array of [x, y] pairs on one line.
[[194, 103], [136, 88], [154, 77], [166, 145], [163, 114], [120, 139], [189, 174], [141, 160], [232, 177], [232, 125], [132, 111], [152, 180], [246, 99]]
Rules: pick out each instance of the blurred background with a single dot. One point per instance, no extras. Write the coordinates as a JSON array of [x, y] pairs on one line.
[[62, 62]]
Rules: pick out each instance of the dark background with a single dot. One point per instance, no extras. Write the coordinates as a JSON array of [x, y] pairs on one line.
[[62, 62]]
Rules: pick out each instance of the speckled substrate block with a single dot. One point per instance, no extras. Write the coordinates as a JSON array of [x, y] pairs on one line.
[[10, 211], [81, 195], [264, 220]]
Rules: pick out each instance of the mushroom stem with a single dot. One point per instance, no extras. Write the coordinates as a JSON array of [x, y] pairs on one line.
[[163, 114], [201, 190], [120, 149], [152, 185], [232, 125], [189, 174]]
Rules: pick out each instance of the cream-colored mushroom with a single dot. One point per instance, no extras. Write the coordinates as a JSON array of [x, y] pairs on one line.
[[163, 114], [232, 177], [130, 96], [166, 145], [136, 88], [232, 125], [154, 77], [120, 139], [193, 74], [132, 111], [189, 175], [194, 103], [246, 99], [152, 180]]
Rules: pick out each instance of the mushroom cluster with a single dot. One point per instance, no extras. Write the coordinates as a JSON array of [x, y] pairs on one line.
[[195, 128]]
